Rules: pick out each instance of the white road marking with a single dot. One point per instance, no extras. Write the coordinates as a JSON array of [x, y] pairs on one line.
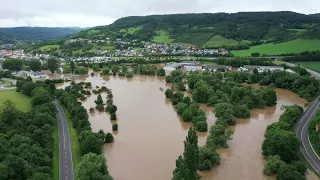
[[303, 144], [63, 119]]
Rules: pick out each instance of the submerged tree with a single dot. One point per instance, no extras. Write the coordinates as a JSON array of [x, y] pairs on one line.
[[186, 167]]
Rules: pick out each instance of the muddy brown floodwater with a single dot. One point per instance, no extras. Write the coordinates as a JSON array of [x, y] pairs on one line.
[[150, 136]]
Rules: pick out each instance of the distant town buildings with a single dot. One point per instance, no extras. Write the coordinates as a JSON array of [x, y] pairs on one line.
[[142, 48], [20, 54]]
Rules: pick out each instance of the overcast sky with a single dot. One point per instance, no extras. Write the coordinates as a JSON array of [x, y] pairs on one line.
[[88, 13]]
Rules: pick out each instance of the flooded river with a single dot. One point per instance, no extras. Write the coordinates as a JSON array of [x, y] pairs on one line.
[[150, 136]]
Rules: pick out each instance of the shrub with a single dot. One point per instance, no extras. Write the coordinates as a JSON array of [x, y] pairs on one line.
[[108, 138], [100, 107], [202, 126], [113, 116], [115, 127], [241, 111], [111, 108], [129, 74], [121, 74]]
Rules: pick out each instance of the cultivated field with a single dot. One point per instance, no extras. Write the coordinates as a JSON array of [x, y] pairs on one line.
[[219, 41], [294, 46]]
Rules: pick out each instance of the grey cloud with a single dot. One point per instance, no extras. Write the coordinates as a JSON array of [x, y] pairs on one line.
[[100, 12]]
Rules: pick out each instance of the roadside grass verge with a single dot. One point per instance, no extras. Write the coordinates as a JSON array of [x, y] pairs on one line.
[[75, 147]]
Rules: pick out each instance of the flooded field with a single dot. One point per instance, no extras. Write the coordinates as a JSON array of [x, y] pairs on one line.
[[151, 135]]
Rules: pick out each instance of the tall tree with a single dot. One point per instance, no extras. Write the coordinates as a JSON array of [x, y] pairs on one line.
[[53, 64], [186, 167], [12, 64], [35, 65], [72, 66], [94, 167]]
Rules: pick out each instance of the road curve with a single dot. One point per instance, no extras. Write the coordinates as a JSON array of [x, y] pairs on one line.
[[65, 155], [302, 132]]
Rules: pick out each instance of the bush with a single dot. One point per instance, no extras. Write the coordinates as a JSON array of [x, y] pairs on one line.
[[205, 165], [273, 164], [96, 67], [121, 74], [108, 138], [202, 126], [168, 93], [129, 74], [100, 107], [241, 111], [113, 116], [115, 127], [111, 108], [207, 158]]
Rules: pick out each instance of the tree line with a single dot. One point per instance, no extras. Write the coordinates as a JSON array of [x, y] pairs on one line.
[[34, 65], [304, 56], [92, 164], [26, 138], [281, 147], [239, 62]]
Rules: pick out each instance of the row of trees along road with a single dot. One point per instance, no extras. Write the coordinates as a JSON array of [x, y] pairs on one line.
[[26, 138], [93, 164], [281, 147], [34, 65]]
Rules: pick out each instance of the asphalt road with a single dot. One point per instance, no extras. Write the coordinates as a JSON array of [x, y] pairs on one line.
[[302, 132], [65, 155]]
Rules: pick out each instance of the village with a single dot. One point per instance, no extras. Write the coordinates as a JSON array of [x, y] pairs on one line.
[[143, 48]]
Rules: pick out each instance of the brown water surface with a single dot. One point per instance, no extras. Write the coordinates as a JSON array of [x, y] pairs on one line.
[[151, 135]]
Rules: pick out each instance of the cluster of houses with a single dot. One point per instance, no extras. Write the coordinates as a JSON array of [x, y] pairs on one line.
[[143, 48], [33, 75], [260, 69], [6, 46], [166, 49], [196, 66], [107, 40], [20, 54]]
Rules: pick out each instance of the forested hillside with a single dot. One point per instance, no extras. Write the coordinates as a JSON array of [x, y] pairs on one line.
[[5, 38], [38, 33], [207, 29]]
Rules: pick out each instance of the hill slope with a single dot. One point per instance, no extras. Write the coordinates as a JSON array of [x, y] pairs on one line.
[[5, 38], [39, 33], [198, 29]]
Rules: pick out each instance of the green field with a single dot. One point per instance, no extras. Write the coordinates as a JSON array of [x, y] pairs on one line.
[[310, 65], [131, 30], [162, 37], [295, 46], [49, 47], [93, 32], [219, 41], [21, 101], [278, 62]]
